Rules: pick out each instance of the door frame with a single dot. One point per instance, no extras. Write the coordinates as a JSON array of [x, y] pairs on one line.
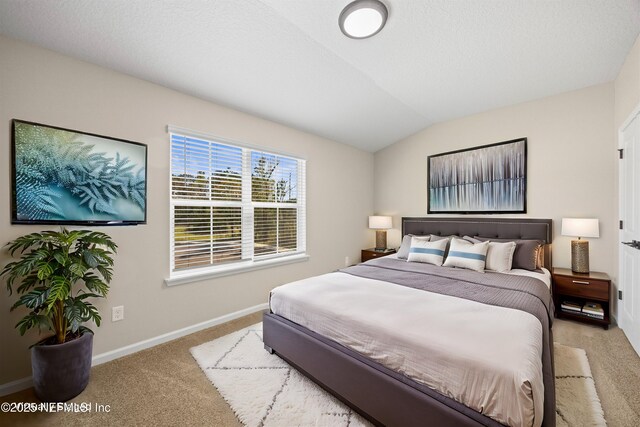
[[615, 313]]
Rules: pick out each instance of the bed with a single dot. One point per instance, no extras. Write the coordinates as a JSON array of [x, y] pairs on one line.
[[387, 394]]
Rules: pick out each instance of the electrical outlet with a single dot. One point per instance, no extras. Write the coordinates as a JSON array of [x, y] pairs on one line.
[[117, 313], [347, 261]]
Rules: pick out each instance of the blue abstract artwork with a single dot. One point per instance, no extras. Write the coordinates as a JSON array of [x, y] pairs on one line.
[[487, 179], [64, 176]]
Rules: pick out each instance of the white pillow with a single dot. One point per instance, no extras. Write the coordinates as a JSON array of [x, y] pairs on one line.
[[425, 251], [467, 255], [403, 252], [500, 256]]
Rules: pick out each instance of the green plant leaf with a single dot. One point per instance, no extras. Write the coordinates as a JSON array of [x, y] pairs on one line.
[[28, 282], [74, 235], [28, 263], [84, 330], [32, 320], [33, 300], [60, 288], [101, 256], [10, 279], [44, 271], [90, 258], [106, 272], [93, 283], [94, 315], [61, 257], [24, 242], [101, 239], [77, 269], [75, 311], [52, 264], [89, 295]]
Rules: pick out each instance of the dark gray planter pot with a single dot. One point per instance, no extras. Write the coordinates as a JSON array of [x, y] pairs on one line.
[[61, 371]]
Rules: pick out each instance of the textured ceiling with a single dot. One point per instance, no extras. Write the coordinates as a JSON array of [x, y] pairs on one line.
[[287, 61]]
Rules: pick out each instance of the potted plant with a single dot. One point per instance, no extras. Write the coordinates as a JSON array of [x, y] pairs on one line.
[[56, 274]]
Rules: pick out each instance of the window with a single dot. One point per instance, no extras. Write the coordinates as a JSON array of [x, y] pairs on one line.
[[232, 205]]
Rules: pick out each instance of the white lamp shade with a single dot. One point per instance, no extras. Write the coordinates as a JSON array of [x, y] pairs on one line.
[[580, 227], [380, 222]]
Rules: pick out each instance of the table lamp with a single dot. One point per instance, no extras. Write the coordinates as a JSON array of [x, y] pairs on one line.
[[381, 224], [580, 227]]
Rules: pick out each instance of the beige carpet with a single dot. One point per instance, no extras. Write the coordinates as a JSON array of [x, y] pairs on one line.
[[264, 391], [615, 367], [163, 386]]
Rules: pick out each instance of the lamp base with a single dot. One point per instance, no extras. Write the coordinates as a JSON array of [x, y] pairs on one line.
[[381, 240], [580, 256]]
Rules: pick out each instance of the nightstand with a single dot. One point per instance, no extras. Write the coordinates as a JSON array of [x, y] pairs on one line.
[[371, 253], [574, 290]]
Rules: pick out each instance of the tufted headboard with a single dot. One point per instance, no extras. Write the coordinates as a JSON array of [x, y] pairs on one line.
[[502, 228]]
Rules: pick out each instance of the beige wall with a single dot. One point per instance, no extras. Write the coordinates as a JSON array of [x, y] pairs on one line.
[[627, 99], [627, 86], [571, 161], [42, 86]]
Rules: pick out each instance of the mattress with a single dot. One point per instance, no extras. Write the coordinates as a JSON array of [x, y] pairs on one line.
[[484, 356]]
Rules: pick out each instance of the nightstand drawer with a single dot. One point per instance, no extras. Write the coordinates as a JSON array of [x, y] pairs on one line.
[[377, 254], [367, 254], [588, 288]]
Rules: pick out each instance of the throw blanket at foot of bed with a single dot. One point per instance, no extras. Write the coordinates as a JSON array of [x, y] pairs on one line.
[[503, 290]]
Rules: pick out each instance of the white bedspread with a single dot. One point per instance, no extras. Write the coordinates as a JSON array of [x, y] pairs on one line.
[[486, 357]]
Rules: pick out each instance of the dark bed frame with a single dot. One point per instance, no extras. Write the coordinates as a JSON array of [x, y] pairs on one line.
[[383, 396]]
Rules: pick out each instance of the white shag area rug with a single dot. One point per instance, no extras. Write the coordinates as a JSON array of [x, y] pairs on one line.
[[263, 390], [577, 402]]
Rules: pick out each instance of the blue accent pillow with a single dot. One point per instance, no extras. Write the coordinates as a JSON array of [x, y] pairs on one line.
[[467, 255], [425, 251], [403, 252]]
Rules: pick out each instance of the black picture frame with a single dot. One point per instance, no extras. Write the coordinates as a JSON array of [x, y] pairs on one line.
[[487, 179], [127, 178]]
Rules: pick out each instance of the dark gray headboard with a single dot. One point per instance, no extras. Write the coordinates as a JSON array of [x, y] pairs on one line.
[[501, 228]]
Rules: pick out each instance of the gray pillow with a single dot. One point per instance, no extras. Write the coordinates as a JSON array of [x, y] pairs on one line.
[[403, 251], [526, 254], [499, 255], [435, 238]]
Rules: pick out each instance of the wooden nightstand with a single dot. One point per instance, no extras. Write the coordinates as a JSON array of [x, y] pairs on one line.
[[371, 253], [580, 289]]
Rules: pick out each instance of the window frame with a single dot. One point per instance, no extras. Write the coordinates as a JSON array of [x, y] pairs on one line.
[[249, 261]]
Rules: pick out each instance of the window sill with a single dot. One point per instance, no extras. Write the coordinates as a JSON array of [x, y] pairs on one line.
[[182, 278]]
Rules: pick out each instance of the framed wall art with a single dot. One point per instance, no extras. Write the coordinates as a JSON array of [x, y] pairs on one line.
[[489, 179], [64, 176]]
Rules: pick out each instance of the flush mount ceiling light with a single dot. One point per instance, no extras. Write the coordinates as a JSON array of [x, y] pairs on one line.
[[363, 18]]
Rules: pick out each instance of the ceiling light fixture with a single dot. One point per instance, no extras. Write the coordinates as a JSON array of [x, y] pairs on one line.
[[363, 18]]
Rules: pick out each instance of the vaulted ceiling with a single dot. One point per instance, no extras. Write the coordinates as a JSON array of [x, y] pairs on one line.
[[287, 61]]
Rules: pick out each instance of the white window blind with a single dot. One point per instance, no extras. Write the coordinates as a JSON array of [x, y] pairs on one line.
[[233, 204]]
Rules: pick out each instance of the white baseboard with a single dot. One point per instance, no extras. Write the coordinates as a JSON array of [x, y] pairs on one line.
[[170, 336], [15, 386], [24, 383]]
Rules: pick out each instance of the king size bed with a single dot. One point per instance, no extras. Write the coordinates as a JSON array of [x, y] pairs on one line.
[[411, 343]]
